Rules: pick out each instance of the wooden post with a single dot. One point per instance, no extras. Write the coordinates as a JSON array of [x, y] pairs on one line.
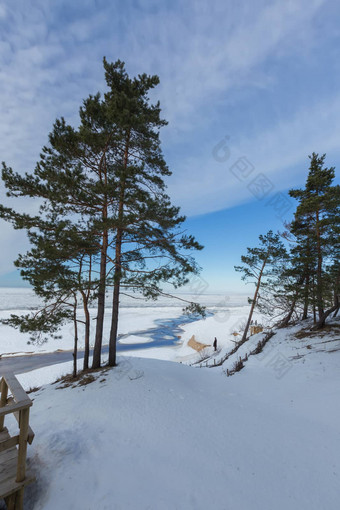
[[23, 424], [19, 502], [11, 501], [3, 400]]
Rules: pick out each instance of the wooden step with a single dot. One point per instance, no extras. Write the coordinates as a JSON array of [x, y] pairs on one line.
[[8, 469]]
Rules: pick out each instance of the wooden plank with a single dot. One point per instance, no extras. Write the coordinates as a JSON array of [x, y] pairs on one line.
[[10, 460], [14, 407], [19, 503], [9, 466], [24, 419], [3, 399], [4, 434], [13, 477], [11, 501], [9, 443], [8, 485], [31, 434], [16, 389]]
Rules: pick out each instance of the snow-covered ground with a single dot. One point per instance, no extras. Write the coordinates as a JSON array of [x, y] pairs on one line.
[[155, 435], [222, 324]]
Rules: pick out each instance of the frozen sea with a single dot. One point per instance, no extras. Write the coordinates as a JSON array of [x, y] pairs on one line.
[[156, 329], [25, 298]]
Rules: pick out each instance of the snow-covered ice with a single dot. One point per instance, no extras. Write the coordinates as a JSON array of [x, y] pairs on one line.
[[133, 319]]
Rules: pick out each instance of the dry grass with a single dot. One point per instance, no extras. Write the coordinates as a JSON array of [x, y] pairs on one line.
[[83, 378], [308, 333], [33, 390]]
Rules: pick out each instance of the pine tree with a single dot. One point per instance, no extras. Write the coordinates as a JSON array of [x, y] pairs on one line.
[[72, 179], [259, 264], [147, 241], [106, 180], [58, 266], [302, 267], [319, 214]]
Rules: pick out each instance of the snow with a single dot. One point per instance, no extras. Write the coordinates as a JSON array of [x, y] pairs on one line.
[[229, 312], [134, 339], [133, 319], [155, 435], [222, 324], [130, 320]]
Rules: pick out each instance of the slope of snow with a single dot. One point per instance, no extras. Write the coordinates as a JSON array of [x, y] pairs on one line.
[[162, 436]]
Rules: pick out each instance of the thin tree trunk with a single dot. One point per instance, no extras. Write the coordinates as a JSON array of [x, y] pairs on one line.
[[75, 349], [87, 336], [319, 289], [336, 298], [322, 321], [118, 269], [306, 298], [244, 337], [115, 303], [101, 304], [102, 284], [85, 298], [285, 320], [314, 305]]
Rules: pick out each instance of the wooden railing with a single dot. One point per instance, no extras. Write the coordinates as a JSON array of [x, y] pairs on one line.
[[13, 449]]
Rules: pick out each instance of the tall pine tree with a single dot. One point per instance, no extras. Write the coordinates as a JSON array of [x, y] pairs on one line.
[[316, 217]]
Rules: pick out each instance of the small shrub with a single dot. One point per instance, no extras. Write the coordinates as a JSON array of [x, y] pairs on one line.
[[238, 365]]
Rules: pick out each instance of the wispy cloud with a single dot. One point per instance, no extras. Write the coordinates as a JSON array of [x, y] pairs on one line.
[[211, 57], [280, 152]]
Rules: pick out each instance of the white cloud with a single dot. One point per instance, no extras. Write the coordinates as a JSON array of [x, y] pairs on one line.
[[51, 59], [204, 185]]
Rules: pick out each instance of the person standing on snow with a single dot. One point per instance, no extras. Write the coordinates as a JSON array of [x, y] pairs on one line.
[[215, 344]]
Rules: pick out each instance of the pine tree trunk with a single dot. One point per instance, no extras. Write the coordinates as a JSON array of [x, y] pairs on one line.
[[75, 349], [322, 320], [87, 337], [86, 295], [97, 350], [314, 305], [101, 304], [115, 303], [306, 298], [319, 289], [118, 260], [244, 337], [286, 319], [336, 300], [336, 296]]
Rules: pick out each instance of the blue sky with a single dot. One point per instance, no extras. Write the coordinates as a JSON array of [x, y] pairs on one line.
[[263, 74]]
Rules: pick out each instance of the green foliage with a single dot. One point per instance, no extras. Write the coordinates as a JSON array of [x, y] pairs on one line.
[[308, 277], [263, 259], [105, 218]]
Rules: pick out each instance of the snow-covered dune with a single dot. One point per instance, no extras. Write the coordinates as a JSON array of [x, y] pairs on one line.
[[162, 436]]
